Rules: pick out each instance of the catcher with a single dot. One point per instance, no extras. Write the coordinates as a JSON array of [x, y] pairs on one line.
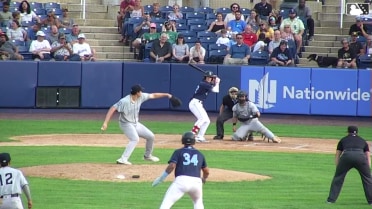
[[247, 113]]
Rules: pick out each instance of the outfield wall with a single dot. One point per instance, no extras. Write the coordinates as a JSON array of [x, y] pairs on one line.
[[274, 90]]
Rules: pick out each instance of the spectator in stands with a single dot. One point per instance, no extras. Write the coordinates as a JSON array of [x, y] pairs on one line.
[[176, 14], [238, 53], [249, 37], [356, 45], [66, 22], [161, 50], [359, 27], [223, 39], [73, 36], [281, 56], [53, 36], [40, 48], [369, 45], [8, 49], [171, 31], [287, 33], [237, 25], [197, 53], [141, 41], [156, 13], [143, 27], [62, 50], [31, 34], [297, 27], [268, 31], [231, 16], [260, 45], [232, 39], [181, 50], [263, 9], [5, 1], [346, 56], [200, 3], [126, 7], [273, 24], [137, 12], [26, 13], [217, 25], [253, 19], [304, 13], [16, 32], [51, 20], [5, 15], [275, 42], [16, 16], [83, 49]]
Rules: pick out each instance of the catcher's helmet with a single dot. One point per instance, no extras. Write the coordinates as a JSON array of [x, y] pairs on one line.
[[188, 138], [242, 96]]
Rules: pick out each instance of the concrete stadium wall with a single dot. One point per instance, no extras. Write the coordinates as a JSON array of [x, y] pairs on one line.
[[274, 90]]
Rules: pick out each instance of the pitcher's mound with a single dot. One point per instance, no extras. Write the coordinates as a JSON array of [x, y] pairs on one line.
[[124, 173]]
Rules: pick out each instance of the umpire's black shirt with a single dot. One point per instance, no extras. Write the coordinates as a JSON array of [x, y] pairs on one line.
[[352, 142], [228, 102]]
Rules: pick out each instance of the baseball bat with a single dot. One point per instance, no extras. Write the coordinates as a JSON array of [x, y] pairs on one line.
[[197, 68]]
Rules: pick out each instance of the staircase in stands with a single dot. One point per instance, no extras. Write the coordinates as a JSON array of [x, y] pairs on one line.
[[100, 27]]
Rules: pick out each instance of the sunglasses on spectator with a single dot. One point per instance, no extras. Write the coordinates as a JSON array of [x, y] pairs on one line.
[[235, 7], [239, 37], [286, 26], [261, 24]]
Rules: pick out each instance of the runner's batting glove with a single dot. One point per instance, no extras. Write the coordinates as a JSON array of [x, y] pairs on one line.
[[160, 179]]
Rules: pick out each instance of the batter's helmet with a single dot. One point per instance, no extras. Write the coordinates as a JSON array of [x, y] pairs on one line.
[[188, 138], [209, 74]]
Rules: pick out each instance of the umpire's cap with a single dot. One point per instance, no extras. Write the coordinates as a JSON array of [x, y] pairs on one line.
[[4, 158], [352, 129]]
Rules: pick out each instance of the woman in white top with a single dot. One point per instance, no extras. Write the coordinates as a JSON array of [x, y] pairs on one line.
[[15, 32], [253, 19], [176, 14], [197, 53], [138, 9], [26, 13]]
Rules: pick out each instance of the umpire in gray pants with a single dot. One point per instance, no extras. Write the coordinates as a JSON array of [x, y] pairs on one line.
[[352, 152]]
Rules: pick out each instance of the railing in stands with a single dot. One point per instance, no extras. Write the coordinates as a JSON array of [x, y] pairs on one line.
[[342, 12], [82, 3]]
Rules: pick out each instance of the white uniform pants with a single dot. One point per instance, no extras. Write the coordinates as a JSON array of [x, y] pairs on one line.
[[193, 186], [203, 121], [134, 132], [11, 202]]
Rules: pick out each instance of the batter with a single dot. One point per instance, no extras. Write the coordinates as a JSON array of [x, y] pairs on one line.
[[12, 183], [188, 163], [247, 113], [210, 83], [129, 108]]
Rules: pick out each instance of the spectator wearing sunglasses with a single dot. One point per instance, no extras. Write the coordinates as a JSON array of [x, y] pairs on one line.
[[263, 8], [231, 16], [239, 53]]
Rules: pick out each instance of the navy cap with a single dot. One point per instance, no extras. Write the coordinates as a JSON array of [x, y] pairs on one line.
[[4, 158], [136, 88], [352, 129]]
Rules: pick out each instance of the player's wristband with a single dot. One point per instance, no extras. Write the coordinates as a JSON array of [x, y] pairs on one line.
[[234, 124]]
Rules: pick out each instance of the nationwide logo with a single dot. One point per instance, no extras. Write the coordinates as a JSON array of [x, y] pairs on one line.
[[264, 93]]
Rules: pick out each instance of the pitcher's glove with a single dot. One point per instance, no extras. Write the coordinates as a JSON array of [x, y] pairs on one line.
[[175, 102]]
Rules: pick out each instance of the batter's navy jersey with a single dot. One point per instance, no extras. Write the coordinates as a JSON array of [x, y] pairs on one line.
[[189, 161], [202, 90]]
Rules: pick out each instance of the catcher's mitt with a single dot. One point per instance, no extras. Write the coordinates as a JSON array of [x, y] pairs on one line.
[[176, 102]]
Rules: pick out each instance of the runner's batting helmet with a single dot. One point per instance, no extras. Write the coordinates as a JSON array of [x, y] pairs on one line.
[[188, 138]]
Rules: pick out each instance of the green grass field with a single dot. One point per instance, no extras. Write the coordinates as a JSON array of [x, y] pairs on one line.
[[299, 181]]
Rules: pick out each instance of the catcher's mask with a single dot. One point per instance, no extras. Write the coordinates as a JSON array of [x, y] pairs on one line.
[[232, 92], [188, 138], [242, 97]]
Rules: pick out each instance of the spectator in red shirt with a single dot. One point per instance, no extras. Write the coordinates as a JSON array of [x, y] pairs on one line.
[[126, 6], [249, 37]]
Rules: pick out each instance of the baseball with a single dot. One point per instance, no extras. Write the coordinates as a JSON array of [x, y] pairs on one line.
[[120, 176]]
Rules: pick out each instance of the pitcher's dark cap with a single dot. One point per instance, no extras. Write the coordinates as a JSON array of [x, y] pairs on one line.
[[4, 158], [136, 88], [352, 129]]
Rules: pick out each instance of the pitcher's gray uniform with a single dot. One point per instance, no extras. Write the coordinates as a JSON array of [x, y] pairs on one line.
[[247, 113], [12, 183], [129, 108]]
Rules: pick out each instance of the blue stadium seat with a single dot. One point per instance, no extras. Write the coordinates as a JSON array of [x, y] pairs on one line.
[[1, 4], [27, 23], [206, 34], [65, 30], [148, 8], [198, 27], [13, 9], [56, 11], [52, 5], [195, 15], [195, 22], [208, 40], [188, 33], [217, 53], [166, 8], [181, 21], [34, 5], [146, 53], [210, 16], [158, 20], [131, 24], [46, 30], [39, 11], [190, 39], [4, 29], [24, 51], [259, 58], [15, 4], [186, 9], [18, 43], [365, 61], [217, 47], [182, 27], [206, 10], [209, 22], [223, 10], [245, 11], [42, 17], [284, 12]]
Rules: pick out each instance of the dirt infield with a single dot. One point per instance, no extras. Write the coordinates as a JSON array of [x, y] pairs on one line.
[[112, 172]]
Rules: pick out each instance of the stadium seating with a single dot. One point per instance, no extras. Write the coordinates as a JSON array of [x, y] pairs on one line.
[[198, 27], [56, 11], [39, 11], [65, 30], [365, 61], [208, 40], [191, 22], [205, 10], [223, 10], [35, 5], [216, 56], [15, 4], [246, 12], [210, 16], [182, 27], [190, 39], [259, 58], [185, 9], [27, 23], [18, 43], [181, 21], [194, 15], [148, 8], [206, 34], [166, 8], [212, 47], [52, 5], [188, 33]]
